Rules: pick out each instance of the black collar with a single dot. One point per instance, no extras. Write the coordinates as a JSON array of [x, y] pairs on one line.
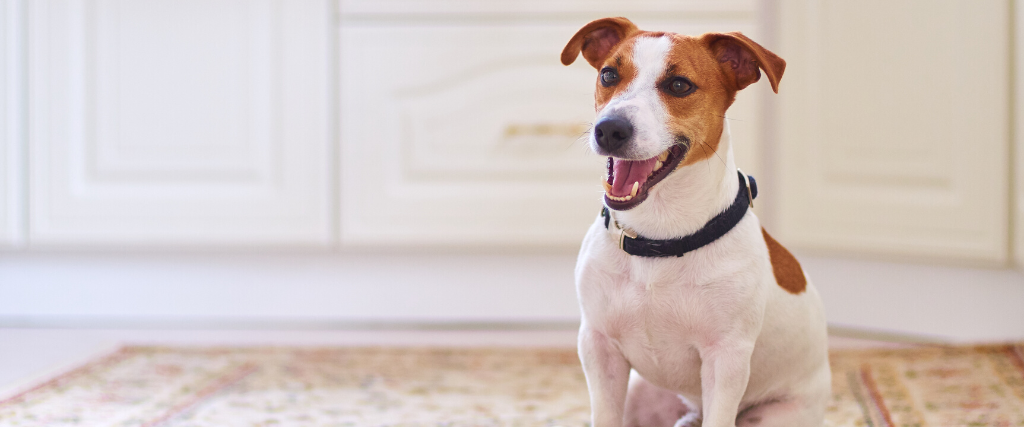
[[715, 228]]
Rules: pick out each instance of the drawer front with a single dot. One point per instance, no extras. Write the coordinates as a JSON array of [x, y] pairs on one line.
[[473, 133]]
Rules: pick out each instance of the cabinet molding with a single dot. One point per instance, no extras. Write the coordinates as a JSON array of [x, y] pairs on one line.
[[894, 137], [143, 133]]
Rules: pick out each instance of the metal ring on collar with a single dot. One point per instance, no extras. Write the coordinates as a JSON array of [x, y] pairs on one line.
[[746, 182]]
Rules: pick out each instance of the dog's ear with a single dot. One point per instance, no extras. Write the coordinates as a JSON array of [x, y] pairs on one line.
[[740, 58], [597, 39]]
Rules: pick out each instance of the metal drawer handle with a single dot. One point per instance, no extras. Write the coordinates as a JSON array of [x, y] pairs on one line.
[[574, 130]]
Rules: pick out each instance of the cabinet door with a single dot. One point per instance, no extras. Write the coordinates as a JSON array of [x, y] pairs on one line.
[[11, 113], [894, 134], [170, 122], [463, 133]]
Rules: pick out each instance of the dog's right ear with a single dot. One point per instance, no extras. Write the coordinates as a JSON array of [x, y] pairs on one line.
[[597, 39]]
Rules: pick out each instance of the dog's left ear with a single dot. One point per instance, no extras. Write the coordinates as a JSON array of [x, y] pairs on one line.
[[740, 58]]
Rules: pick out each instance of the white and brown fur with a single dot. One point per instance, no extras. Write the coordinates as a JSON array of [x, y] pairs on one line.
[[731, 333]]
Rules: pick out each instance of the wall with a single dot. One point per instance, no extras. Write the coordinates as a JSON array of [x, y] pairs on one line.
[[346, 290]]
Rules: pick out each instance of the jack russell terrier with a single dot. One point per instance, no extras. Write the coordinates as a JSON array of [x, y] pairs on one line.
[[692, 314]]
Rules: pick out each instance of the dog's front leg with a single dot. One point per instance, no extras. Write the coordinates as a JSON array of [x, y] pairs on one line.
[[607, 373], [724, 374]]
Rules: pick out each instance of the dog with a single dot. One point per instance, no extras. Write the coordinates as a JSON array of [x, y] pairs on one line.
[[692, 315]]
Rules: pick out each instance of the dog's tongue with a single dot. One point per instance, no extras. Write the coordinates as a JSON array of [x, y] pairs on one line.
[[626, 172]]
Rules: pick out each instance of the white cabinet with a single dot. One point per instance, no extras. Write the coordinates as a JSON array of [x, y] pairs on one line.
[[11, 114], [170, 122], [463, 128], [894, 128], [213, 123]]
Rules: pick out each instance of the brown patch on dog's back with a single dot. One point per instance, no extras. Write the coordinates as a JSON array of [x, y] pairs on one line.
[[786, 268]]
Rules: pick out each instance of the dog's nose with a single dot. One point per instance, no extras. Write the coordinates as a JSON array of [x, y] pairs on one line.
[[612, 132]]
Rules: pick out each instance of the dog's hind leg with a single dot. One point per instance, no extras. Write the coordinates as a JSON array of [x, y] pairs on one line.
[[648, 405], [788, 413], [804, 409]]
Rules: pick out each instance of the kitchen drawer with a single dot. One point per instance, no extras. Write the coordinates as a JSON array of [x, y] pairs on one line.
[[471, 132]]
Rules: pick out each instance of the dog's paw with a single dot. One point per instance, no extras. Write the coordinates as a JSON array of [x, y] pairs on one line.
[[691, 419]]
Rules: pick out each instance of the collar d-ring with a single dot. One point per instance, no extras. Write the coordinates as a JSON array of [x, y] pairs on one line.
[[746, 183]]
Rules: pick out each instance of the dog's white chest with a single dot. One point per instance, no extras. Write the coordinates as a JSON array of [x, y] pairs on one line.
[[650, 320], [660, 310]]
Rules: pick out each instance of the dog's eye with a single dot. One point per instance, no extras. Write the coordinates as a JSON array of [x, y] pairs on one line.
[[609, 77], [679, 86]]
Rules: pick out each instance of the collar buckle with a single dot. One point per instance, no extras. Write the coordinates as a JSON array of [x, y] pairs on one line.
[[746, 183], [623, 232]]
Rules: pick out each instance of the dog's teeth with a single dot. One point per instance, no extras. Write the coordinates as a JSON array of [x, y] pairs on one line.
[[636, 187], [607, 187], [618, 199], [657, 164], [663, 156]]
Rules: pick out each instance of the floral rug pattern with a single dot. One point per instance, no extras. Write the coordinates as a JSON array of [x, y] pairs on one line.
[[264, 387]]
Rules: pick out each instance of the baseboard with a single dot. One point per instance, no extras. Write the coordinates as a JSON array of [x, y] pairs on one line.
[[919, 302], [264, 324], [453, 291], [843, 331], [302, 288]]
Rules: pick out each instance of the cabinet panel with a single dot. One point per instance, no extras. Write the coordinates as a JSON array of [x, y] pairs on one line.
[[894, 137], [463, 133], [179, 122], [11, 129]]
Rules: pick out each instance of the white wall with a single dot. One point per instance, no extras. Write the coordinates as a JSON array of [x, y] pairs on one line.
[[941, 302], [304, 288], [323, 290]]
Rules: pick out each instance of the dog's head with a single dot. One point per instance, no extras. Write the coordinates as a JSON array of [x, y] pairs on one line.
[[661, 98]]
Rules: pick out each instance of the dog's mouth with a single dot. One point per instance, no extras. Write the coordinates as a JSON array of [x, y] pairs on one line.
[[629, 181]]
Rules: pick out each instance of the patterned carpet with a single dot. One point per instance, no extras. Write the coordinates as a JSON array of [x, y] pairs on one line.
[[177, 387]]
